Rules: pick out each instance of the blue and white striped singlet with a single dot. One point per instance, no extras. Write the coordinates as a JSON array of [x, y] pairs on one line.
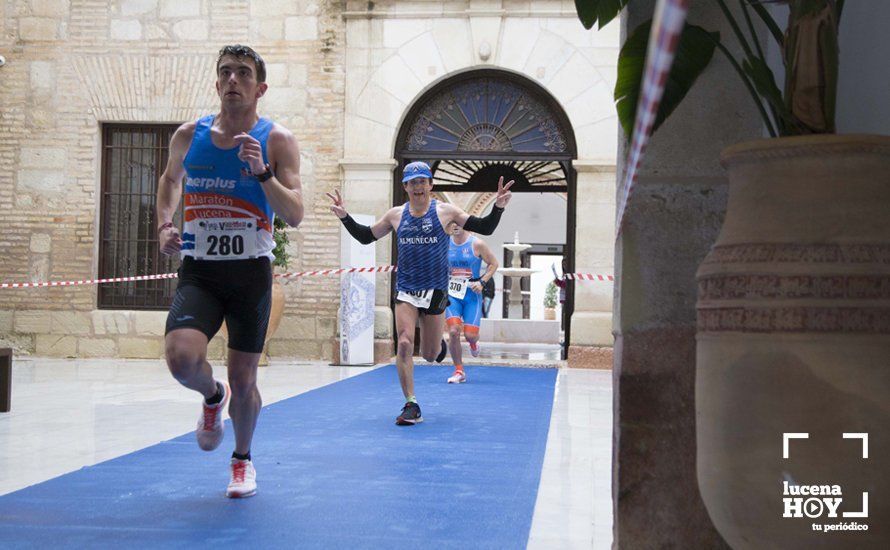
[[423, 251]]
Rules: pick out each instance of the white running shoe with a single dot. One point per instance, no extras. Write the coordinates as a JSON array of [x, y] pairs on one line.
[[474, 349], [458, 377], [243, 483], [210, 423]]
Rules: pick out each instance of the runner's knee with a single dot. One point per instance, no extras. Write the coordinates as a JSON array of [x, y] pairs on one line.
[[242, 381], [183, 359], [406, 344], [429, 355]]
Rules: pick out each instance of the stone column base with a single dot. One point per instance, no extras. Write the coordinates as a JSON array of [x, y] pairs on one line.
[[592, 328], [383, 350], [590, 357]]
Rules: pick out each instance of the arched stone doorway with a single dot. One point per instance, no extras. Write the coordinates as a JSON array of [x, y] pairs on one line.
[[482, 124]]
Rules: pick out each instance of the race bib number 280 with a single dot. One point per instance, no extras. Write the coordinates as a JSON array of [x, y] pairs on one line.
[[225, 239]]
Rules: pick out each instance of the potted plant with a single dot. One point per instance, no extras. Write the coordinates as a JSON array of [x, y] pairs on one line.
[[794, 297], [550, 302]]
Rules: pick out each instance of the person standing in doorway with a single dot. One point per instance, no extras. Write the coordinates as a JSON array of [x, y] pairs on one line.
[[561, 282]]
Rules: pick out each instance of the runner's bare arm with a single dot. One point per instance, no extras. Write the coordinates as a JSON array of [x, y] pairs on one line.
[[170, 183], [389, 222], [484, 252], [481, 250], [170, 189], [284, 189]]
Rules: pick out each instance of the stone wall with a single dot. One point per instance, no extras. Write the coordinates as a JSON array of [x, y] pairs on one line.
[[72, 65]]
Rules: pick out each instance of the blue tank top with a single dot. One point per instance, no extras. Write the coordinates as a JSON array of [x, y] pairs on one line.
[[223, 201], [423, 251], [463, 261]]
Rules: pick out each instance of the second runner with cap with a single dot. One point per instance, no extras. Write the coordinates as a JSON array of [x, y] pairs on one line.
[[423, 272]]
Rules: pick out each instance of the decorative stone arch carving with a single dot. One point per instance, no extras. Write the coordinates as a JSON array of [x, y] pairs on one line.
[[487, 122]]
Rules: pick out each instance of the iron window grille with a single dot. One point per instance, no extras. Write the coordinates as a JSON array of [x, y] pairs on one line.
[[133, 158]]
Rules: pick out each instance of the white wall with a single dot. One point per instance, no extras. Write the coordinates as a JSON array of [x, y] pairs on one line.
[[864, 87]]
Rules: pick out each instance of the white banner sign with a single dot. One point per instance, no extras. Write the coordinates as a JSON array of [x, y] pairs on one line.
[[357, 299]]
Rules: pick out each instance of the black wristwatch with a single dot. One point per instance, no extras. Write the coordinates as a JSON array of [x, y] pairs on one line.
[[265, 176]]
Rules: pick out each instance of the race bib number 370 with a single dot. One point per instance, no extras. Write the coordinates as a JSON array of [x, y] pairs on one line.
[[225, 239], [457, 288]]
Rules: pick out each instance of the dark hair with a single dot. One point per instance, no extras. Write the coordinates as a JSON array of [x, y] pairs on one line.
[[239, 51]]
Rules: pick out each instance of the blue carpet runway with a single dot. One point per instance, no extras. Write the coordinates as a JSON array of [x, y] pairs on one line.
[[333, 471]]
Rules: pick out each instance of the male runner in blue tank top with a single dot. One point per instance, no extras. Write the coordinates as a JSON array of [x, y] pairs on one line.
[[240, 171], [465, 256], [422, 277]]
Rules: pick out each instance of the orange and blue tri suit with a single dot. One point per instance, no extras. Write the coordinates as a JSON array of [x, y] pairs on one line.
[[465, 266]]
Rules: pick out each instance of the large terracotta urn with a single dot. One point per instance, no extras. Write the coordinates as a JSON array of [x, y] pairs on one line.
[[275, 314], [793, 347]]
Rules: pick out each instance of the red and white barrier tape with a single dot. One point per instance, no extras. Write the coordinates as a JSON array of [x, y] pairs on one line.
[[667, 25], [589, 277], [323, 272], [90, 281], [294, 275]]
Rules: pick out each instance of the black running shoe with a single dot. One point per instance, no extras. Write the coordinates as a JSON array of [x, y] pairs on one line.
[[442, 353], [410, 415]]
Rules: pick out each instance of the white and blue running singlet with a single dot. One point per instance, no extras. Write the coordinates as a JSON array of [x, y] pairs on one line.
[[227, 214], [423, 251]]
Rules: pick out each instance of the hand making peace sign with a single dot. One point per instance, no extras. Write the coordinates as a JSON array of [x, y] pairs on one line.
[[338, 207], [504, 193]]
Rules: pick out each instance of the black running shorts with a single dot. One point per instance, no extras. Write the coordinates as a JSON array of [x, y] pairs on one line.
[[438, 303], [239, 291]]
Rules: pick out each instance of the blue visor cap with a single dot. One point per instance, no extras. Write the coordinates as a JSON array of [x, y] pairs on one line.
[[416, 170]]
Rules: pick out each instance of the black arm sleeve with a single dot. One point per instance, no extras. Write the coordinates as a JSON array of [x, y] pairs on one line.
[[362, 233], [486, 225]]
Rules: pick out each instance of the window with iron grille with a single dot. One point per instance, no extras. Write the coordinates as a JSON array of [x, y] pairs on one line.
[[133, 158]]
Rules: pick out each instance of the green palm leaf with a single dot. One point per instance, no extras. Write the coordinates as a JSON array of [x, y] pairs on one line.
[[694, 52], [602, 11], [765, 83]]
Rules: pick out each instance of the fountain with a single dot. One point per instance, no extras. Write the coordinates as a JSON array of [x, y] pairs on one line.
[[513, 328], [513, 276]]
